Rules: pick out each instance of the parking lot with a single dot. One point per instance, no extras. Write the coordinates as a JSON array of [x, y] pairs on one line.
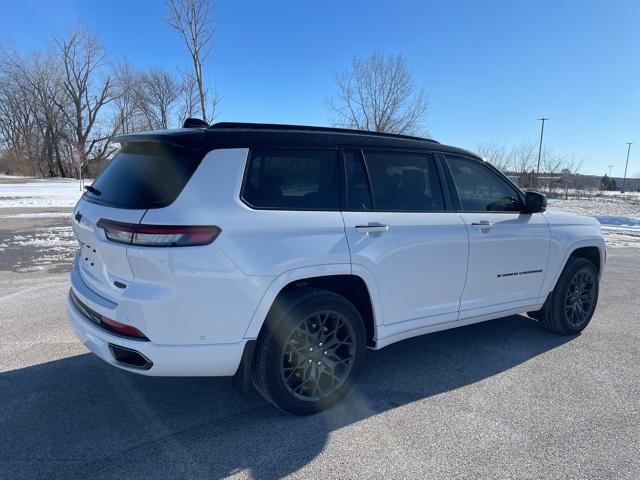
[[502, 399]]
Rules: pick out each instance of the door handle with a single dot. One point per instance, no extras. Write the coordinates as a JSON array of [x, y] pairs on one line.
[[483, 225], [372, 227]]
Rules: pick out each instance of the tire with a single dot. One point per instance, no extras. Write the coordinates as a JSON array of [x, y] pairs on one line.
[[570, 306], [293, 377]]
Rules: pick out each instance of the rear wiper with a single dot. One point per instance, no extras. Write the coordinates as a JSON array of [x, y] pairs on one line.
[[93, 190]]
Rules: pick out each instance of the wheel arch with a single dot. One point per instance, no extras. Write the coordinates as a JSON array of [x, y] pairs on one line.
[[591, 253], [595, 252], [358, 290]]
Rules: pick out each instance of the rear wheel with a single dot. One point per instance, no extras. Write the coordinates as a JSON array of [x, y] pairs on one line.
[[571, 304], [311, 351]]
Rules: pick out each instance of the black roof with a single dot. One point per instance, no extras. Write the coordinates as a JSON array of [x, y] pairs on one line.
[[232, 134]]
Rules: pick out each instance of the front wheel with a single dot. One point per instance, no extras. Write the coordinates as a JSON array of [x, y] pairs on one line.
[[571, 304], [311, 351]]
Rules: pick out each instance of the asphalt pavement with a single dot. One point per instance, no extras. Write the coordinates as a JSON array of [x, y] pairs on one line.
[[501, 399]]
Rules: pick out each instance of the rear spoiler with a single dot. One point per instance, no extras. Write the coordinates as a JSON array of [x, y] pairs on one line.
[[190, 138]]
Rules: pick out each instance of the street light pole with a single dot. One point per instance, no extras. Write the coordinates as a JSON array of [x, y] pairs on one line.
[[543, 119], [624, 180]]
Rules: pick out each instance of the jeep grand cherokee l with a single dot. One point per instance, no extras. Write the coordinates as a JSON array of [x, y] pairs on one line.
[[281, 253]]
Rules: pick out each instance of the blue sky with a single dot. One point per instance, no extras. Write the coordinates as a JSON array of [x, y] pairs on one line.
[[490, 68]]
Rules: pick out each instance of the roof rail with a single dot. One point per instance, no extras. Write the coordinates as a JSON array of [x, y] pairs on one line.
[[309, 128]]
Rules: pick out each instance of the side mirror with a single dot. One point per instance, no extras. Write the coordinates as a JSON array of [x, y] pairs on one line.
[[534, 202]]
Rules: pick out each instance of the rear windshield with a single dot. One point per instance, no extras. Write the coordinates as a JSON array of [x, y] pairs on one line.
[[144, 175]]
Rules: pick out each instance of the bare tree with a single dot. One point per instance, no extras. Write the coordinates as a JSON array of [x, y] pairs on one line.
[[496, 154], [558, 171], [188, 97], [47, 93], [570, 167], [196, 23], [155, 99], [17, 128], [53, 103], [84, 60], [158, 92], [17, 120], [125, 98], [378, 93], [523, 157], [552, 163], [30, 118], [60, 107], [520, 161]]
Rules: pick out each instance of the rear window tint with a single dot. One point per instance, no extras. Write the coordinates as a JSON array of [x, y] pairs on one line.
[[292, 179], [145, 175]]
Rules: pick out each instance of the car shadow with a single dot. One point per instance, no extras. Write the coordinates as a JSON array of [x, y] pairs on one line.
[[81, 418]]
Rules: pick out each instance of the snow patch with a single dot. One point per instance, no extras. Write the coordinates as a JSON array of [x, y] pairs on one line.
[[37, 215], [47, 246], [618, 214], [40, 193], [35, 268]]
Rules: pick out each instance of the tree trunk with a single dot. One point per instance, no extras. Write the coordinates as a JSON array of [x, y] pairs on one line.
[[201, 93], [56, 151]]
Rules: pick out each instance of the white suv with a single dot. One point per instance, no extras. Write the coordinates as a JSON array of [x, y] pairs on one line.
[[280, 253]]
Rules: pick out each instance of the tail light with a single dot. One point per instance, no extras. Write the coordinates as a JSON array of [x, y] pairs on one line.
[[158, 235]]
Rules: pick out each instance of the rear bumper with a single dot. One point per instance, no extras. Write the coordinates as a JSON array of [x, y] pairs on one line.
[[211, 360]]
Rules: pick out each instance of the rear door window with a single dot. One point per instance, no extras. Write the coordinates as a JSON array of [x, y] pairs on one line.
[[480, 189], [144, 175], [292, 179], [404, 181]]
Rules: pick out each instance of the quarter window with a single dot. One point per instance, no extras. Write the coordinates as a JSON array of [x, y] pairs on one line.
[[292, 179], [404, 181], [480, 189]]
